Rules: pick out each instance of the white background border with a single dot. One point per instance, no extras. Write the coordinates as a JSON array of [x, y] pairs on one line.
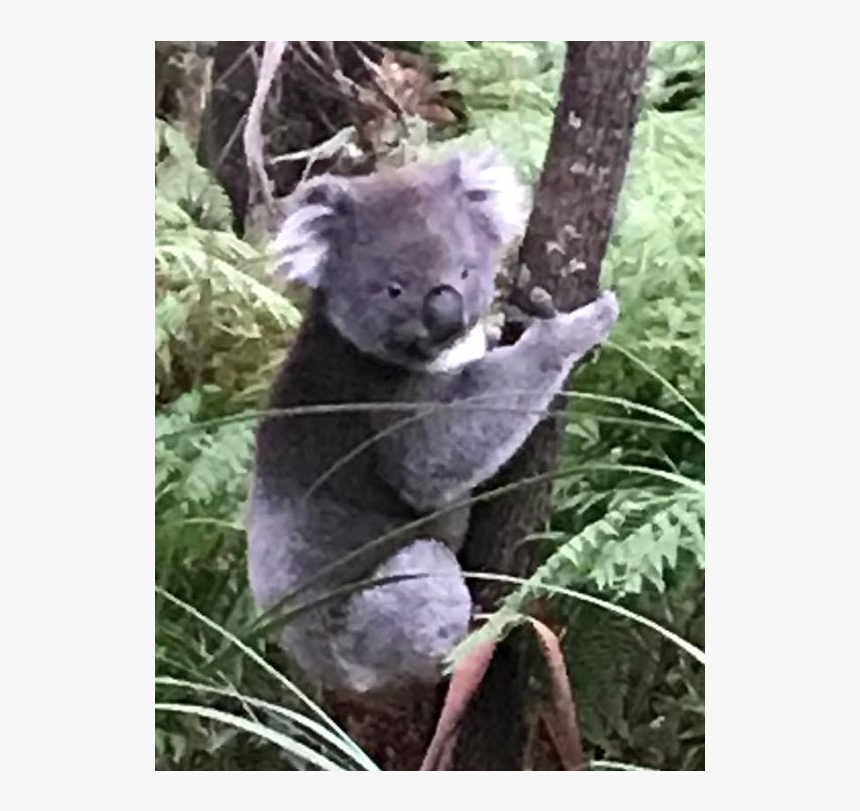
[[77, 329]]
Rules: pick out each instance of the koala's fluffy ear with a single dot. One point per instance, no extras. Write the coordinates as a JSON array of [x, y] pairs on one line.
[[305, 238], [493, 193]]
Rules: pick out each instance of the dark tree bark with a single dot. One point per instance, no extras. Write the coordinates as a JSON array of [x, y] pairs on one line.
[[563, 250]]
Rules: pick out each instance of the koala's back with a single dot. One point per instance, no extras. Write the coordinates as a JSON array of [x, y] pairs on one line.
[[309, 507], [294, 452]]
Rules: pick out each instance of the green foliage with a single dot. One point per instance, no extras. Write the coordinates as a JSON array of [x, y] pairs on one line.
[[639, 700], [634, 543], [311, 737], [510, 90], [656, 259], [503, 76], [676, 77], [217, 321], [219, 327]]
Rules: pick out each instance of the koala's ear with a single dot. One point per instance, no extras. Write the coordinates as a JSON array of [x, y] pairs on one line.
[[493, 193], [313, 212]]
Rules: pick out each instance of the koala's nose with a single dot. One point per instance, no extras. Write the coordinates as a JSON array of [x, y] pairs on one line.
[[442, 312]]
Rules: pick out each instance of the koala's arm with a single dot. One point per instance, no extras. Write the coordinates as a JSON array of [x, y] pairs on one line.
[[438, 457]]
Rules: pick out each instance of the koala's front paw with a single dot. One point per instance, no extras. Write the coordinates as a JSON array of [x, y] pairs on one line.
[[585, 328]]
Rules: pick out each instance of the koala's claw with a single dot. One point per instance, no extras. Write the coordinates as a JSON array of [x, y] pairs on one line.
[[590, 325], [607, 310], [541, 301]]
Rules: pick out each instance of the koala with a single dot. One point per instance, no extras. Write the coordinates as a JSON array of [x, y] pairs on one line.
[[402, 267]]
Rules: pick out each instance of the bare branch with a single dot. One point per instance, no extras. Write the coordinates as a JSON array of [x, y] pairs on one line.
[[326, 149], [260, 184], [225, 151], [315, 66], [326, 85], [221, 84], [376, 78]]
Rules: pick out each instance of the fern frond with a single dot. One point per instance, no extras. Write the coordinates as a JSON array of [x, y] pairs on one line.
[[217, 318], [633, 543]]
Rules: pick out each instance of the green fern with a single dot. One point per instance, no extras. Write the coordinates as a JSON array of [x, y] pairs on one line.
[[219, 326], [217, 319]]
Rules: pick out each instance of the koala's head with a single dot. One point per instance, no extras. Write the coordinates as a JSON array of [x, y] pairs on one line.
[[405, 260]]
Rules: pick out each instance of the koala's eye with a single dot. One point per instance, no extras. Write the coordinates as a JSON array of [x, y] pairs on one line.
[[394, 290], [465, 273]]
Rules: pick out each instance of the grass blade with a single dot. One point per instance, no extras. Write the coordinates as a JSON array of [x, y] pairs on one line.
[[353, 752], [687, 647], [284, 741]]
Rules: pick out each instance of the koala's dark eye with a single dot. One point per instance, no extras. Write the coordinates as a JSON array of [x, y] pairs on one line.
[[394, 290], [465, 273]]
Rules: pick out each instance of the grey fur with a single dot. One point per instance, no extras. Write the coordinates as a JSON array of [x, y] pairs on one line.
[[416, 228]]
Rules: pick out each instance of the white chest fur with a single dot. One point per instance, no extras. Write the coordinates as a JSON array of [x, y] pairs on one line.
[[471, 347]]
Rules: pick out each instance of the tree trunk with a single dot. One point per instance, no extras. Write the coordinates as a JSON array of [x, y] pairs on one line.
[[563, 250]]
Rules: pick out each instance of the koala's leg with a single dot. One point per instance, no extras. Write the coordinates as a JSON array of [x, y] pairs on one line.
[[442, 455], [399, 633]]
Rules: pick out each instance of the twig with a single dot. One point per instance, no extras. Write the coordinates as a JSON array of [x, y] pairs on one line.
[[225, 150], [333, 61], [315, 66], [326, 86], [233, 66], [350, 90], [326, 149], [273, 53], [374, 73]]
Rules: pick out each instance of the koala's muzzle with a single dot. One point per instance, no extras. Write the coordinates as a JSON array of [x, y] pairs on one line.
[[442, 313]]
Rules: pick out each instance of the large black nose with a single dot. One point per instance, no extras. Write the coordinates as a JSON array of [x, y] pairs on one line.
[[442, 313]]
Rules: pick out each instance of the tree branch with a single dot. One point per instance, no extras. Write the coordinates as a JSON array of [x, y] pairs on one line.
[[259, 184]]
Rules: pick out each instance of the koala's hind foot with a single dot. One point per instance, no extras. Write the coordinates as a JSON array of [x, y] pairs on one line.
[[399, 633]]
